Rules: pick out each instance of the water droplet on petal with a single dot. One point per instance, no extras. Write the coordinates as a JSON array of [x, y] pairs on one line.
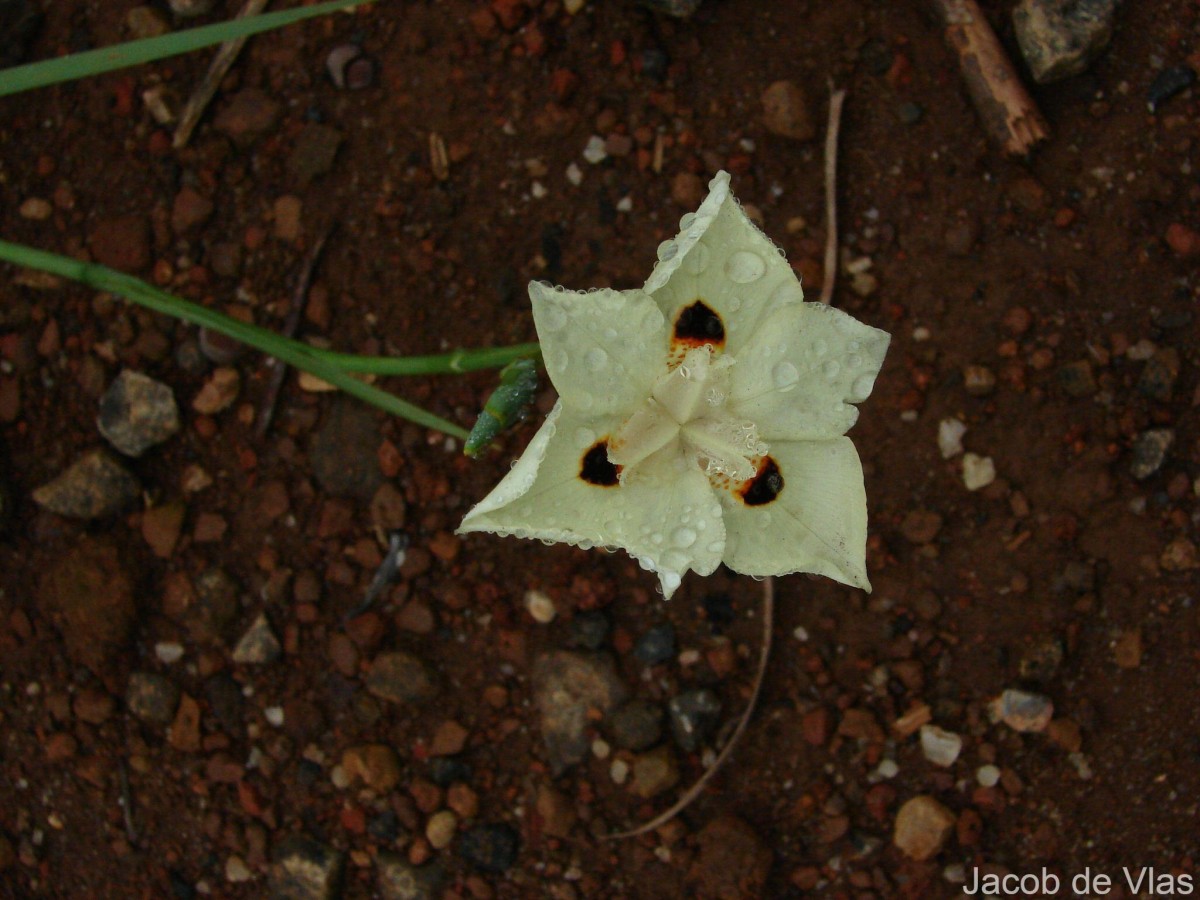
[[656, 538], [735, 303], [854, 361], [554, 317], [596, 359], [832, 368], [667, 250], [557, 361], [744, 266], [584, 437], [683, 537], [785, 376], [861, 389], [697, 259], [820, 347], [686, 221], [788, 292]]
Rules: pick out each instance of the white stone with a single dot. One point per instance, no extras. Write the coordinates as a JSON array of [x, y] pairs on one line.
[[940, 747], [988, 776], [949, 438], [977, 471], [595, 151], [540, 607]]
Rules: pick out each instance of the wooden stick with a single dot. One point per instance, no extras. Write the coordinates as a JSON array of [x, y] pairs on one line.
[[198, 102], [1008, 113], [693, 792], [836, 99]]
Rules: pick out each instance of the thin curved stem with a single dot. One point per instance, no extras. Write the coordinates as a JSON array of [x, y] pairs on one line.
[[694, 791], [433, 364]]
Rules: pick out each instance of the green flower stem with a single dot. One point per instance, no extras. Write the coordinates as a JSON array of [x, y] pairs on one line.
[[332, 367], [132, 53], [435, 364]]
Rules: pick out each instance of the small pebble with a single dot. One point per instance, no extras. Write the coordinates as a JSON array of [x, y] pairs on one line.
[[94, 487], [595, 152], [949, 438], [540, 607], [1149, 451], [137, 412], [589, 629], [218, 392], [977, 471], [168, 652], [637, 725], [236, 870], [988, 775], [440, 829], [693, 716], [490, 848], [656, 646], [1169, 82], [940, 747], [786, 111], [258, 645], [1022, 711], [979, 381], [922, 828]]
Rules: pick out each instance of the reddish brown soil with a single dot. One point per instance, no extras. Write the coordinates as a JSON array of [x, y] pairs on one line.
[[1023, 268]]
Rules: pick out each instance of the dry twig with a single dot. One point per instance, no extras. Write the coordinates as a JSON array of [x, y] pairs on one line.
[[768, 613], [126, 802], [836, 99], [1008, 113], [198, 102], [299, 300]]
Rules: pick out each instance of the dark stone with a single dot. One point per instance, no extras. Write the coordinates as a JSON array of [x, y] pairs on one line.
[[656, 646], [446, 770], [343, 452], [94, 487], [399, 677], [569, 688], [693, 715], [313, 153], [636, 725], [1167, 83], [590, 629], [152, 698], [718, 609], [137, 412], [491, 848]]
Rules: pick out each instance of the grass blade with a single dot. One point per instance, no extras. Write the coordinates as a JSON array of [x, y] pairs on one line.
[[133, 53]]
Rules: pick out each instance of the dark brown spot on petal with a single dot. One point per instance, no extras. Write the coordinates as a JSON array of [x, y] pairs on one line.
[[764, 487], [596, 469], [698, 324]]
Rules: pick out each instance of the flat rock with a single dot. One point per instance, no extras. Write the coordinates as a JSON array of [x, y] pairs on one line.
[[94, 487], [786, 111], [304, 869], [939, 746], [1060, 38], [313, 153], [88, 595], [922, 828], [732, 861], [655, 772], [568, 687], [137, 412], [189, 210], [1022, 710], [400, 678], [343, 452], [249, 115]]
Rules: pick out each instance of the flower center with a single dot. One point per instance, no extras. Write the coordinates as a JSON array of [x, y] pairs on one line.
[[686, 410]]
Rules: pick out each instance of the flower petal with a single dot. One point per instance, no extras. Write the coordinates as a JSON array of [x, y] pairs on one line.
[[603, 349], [665, 515], [799, 374], [816, 523], [721, 259]]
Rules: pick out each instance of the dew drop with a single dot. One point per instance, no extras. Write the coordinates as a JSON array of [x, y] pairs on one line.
[[685, 222], [785, 376], [788, 292], [584, 437], [735, 304], [861, 389], [554, 317], [832, 368], [820, 347], [558, 360], [854, 361], [667, 250], [653, 319], [656, 538], [744, 267], [596, 359], [697, 259], [683, 537]]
